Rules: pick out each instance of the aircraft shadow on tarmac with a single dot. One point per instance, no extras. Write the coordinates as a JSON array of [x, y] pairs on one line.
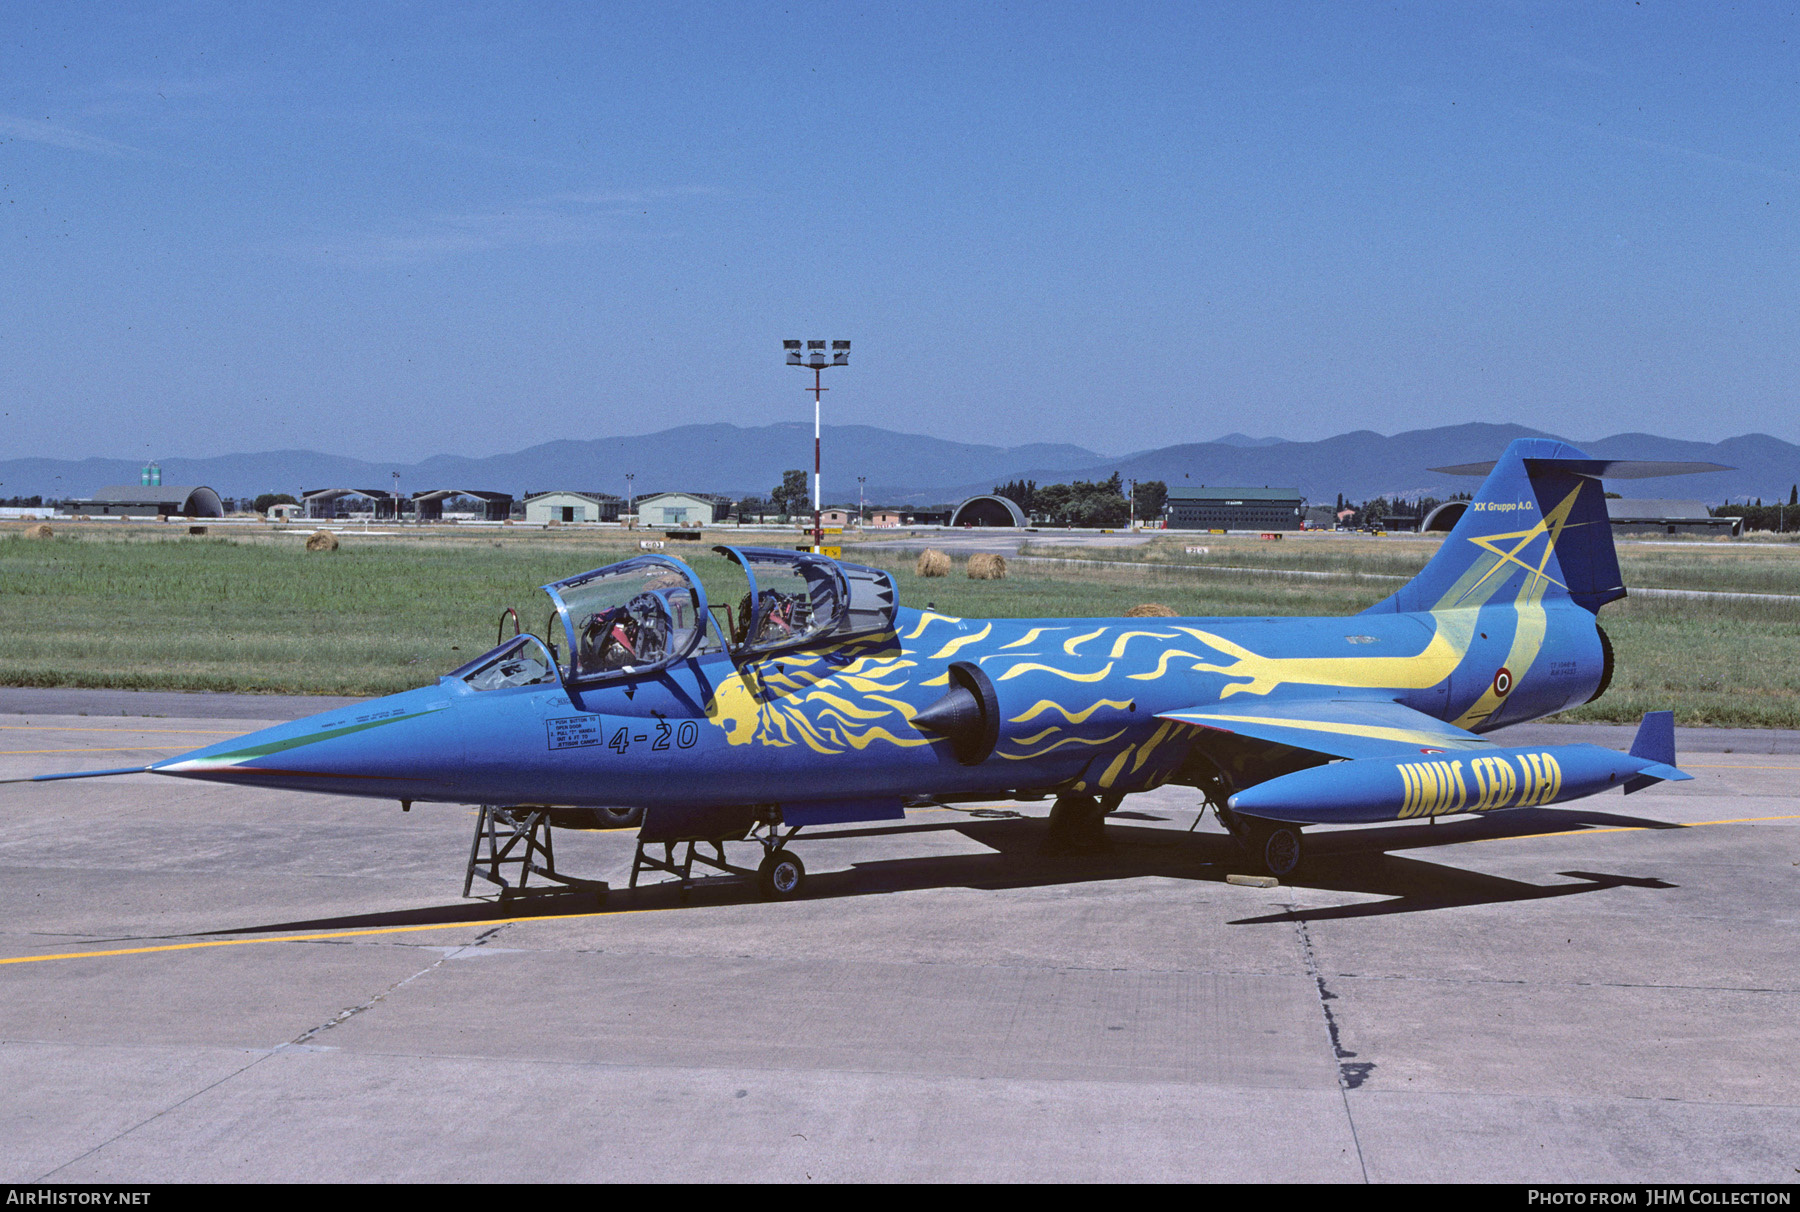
[[1356, 861]]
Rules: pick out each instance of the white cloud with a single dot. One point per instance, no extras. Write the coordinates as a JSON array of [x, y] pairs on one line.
[[562, 218], [34, 130]]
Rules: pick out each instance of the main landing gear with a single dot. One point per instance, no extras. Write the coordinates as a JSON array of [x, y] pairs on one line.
[[1078, 824], [1275, 846]]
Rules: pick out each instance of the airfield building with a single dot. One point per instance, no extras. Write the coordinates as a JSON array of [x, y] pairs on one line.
[[1630, 516], [428, 506], [988, 511], [542, 508], [677, 509], [1203, 508], [152, 501]]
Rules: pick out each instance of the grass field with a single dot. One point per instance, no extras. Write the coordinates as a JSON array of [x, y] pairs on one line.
[[125, 607]]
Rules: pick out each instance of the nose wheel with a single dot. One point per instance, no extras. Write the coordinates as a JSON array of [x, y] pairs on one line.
[[781, 876]]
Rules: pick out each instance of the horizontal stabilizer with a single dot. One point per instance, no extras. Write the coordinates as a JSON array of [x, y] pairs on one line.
[[1605, 469], [1334, 727]]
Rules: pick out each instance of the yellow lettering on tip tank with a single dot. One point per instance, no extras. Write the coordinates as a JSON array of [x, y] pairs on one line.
[[1534, 779], [954, 646]]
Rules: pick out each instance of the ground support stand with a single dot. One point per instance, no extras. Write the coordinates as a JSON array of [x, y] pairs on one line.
[[518, 835], [780, 877]]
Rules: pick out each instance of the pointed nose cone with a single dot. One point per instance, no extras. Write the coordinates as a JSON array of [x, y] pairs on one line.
[[405, 746]]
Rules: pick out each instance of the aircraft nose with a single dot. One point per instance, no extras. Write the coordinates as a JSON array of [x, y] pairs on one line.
[[405, 746]]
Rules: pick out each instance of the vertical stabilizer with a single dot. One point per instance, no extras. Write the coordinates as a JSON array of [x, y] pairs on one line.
[[1537, 528]]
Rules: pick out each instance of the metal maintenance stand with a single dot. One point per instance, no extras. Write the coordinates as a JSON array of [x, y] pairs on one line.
[[518, 835]]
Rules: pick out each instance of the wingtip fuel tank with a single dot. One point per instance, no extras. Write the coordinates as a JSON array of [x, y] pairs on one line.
[[1443, 783]]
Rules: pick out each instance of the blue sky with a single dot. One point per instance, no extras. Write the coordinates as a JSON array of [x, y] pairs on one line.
[[399, 230]]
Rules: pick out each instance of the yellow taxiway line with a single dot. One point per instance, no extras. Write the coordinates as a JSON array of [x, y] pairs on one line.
[[112, 749], [1741, 820], [310, 938], [158, 731], [566, 917]]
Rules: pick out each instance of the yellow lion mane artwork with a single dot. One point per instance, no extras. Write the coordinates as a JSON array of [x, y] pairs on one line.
[[830, 706]]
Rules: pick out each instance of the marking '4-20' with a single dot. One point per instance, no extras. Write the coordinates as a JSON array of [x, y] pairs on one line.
[[591, 732]]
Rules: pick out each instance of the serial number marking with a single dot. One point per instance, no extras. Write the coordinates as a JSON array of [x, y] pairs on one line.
[[590, 732]]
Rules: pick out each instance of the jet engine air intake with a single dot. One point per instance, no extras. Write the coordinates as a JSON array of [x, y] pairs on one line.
[[968, 715], [1606, 664]]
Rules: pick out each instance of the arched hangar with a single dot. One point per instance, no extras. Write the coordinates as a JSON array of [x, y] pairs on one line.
[[1444, 518], [988, 511]]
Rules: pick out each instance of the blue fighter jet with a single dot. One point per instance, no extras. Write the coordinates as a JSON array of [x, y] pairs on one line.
[[803, 694]]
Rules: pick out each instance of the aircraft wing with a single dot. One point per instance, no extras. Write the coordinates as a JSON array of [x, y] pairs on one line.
[[1342, 728]]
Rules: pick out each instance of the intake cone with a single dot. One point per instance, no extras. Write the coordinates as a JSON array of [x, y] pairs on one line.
[[968, 715]]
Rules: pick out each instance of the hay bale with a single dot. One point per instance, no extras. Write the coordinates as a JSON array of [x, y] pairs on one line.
[[987, 566], [1151, 610], [40, 531], [321, 540], [932, 563]]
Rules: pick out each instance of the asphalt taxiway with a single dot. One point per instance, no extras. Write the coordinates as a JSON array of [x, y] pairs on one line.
[[207, 983]]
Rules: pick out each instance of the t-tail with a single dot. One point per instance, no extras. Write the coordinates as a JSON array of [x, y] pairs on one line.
[[1536, 529]]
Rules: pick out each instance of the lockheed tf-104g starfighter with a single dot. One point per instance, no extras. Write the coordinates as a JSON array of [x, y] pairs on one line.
[[803, 694]]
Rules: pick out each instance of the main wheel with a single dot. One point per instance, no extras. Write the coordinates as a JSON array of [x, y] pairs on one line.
[[619, 818], [781, 876], [1279, 850]]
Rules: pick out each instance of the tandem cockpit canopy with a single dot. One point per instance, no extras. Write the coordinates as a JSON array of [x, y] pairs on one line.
[[639, 616]]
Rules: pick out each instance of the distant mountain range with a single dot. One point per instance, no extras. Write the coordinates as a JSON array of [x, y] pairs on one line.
[[913, 468]]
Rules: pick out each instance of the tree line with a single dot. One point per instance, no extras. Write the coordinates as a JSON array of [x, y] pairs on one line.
[[1777, 517], [1091, 503]]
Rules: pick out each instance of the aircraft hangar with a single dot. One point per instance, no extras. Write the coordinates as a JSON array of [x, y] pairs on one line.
[[991, 510]]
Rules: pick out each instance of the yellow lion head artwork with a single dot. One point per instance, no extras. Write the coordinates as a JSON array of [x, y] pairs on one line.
[[803, 700]]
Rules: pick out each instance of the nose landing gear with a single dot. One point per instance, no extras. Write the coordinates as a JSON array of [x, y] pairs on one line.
[[781, 876]]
